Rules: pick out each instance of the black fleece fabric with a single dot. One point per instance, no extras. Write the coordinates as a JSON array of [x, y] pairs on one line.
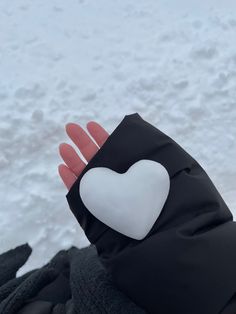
[[186, 263], [73, 282]]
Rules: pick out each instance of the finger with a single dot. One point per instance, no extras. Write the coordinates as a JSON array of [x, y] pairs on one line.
[[99, 134], [66, 175], [71, 158], [82, 140]]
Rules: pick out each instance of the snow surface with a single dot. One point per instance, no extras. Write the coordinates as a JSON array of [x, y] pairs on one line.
[[173, 62]]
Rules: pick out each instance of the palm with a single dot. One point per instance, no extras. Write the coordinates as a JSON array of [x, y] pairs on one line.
[[73, 163]]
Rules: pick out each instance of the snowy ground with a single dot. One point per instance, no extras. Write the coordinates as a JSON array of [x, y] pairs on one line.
[[64, 61]]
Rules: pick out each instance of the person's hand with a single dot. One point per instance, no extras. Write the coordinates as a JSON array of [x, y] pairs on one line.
[[73, 163]]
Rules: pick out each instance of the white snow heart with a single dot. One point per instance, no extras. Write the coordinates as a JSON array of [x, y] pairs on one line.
[[129, 202]]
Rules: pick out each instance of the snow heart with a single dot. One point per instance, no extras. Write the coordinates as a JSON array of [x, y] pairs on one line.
[[127, 202]]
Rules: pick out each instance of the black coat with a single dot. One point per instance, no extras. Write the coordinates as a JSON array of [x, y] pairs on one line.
[[186, 263]]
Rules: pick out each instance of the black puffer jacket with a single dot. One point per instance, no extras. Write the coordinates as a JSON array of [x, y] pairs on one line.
[[186, 262]]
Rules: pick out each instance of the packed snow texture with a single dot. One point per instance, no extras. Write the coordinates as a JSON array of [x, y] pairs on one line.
[[74, 61]]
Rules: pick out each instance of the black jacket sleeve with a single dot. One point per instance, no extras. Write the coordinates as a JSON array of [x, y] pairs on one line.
[[186, 263]]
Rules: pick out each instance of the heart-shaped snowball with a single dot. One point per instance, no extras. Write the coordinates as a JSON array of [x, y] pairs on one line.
[[127, 202]]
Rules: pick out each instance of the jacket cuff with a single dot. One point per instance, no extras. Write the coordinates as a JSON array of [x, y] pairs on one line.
[[181, 264], [133, 139]]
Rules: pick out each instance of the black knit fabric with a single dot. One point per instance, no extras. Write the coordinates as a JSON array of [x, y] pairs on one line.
[[74, 281], [9, 264]]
